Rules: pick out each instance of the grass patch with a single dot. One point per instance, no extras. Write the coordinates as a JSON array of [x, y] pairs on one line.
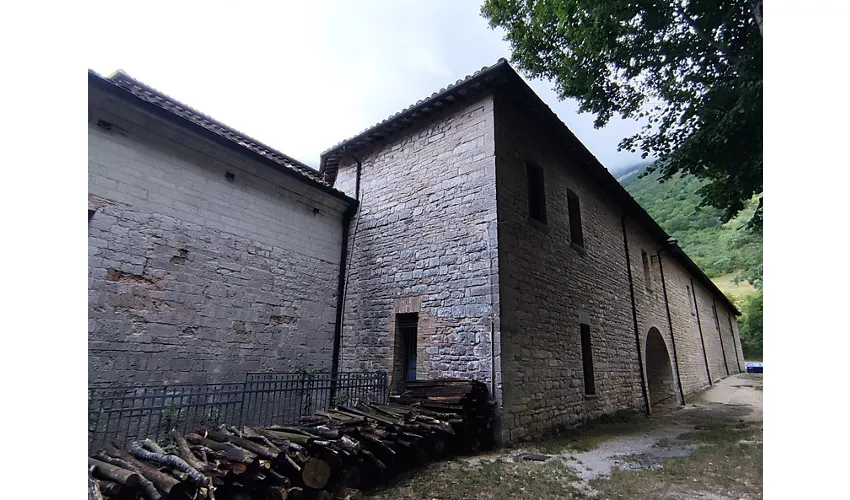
[[735, 291], [720, 465], [718, 433], [726, 469], [460, 480], [588, 435]]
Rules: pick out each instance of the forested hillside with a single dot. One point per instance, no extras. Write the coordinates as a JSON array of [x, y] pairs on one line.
[[729, 254]]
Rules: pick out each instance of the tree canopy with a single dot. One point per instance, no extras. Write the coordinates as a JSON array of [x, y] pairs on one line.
[[691, 70]]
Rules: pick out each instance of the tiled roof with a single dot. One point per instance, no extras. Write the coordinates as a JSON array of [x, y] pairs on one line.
[[503, 75], [423, 107], [153, 96]]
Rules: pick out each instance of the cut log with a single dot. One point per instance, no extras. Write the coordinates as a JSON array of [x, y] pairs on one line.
[[163, 482], [170, 461], [258, 449], [316, 473], [324, 432], [253, 434], [153, 446], [94, 489], [230, 451], [291, 436], [110, 489], [103, 470], [186, 454], [148, 489]]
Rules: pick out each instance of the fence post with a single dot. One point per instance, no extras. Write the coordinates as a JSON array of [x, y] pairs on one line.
[[242, 401]]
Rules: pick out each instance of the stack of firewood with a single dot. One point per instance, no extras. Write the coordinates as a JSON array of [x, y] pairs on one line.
[[466, 403], [330, 455]]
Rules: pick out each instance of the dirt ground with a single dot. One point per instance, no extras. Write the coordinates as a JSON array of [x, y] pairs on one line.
[[710, 449]]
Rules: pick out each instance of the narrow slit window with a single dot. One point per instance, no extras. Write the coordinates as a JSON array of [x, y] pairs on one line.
[[691, 300], [574, 209], [647, 270], [587, 361], [536, 193], [407, 326], [91, 214]]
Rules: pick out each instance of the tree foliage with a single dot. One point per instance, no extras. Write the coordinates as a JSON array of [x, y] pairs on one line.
[[752, 318], [691, 70]]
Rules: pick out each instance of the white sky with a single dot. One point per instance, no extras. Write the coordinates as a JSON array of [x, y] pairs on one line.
[[303, 76]]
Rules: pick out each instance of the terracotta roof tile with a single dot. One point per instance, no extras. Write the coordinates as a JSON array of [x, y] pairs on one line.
[[151, 95]]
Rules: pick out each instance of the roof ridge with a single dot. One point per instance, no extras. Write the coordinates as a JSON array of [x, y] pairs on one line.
[[433, 95]]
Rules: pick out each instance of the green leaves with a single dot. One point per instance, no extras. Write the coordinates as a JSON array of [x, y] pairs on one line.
[[692, 71]]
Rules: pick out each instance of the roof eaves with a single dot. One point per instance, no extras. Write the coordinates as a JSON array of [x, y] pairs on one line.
[[185, 116], [413, 113], [598, 172]]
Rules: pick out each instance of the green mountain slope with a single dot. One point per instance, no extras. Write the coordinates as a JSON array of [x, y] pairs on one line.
[[723, 251]]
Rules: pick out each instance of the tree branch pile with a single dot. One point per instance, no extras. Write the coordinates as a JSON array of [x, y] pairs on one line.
[[330, 455]]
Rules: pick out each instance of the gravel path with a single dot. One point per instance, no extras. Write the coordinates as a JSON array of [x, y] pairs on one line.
[[735, 396]]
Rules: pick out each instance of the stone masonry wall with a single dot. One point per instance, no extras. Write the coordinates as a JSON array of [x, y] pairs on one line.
[[195, 278], [424, 241], [548, 287], [716, 364]]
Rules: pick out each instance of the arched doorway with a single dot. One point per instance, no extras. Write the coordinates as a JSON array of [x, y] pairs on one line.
[[659, 374]]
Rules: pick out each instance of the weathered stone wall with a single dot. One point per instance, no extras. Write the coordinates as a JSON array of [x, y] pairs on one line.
[[718, 364], [194, 278], [548, 287], [424, 241]]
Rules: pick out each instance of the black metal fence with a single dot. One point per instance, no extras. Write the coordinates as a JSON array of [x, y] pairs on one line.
[[150, 411]]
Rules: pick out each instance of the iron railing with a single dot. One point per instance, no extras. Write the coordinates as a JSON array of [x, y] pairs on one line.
[[128, 413]]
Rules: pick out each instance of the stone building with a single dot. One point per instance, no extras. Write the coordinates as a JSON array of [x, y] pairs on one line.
[[210, 255], [490, 243], [470, 235]]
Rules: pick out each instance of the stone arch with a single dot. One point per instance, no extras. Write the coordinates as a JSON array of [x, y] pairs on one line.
[[659, 373]]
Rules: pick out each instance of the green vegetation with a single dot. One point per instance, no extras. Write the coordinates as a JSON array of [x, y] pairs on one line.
[[587, 436], [717, 248], [752, 310], [486, 480], [728, 463], [689, 72], [728, 253]]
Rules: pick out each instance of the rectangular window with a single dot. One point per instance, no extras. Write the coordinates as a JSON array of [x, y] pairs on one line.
[[91, 214], [587, 360], [576, 235], [690, 300], [406, 329], [536, 193], [647, 270]]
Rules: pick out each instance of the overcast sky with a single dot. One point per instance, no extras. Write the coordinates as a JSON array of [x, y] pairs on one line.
[[303, 76]]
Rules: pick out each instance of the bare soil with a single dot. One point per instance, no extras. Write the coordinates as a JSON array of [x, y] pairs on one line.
[[709, 449]]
